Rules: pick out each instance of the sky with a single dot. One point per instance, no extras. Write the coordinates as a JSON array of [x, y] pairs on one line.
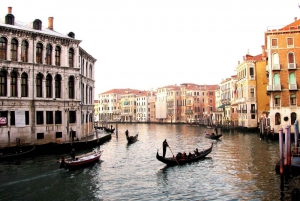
[[147, 44]]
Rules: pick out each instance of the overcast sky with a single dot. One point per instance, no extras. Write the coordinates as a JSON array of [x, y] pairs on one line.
[[146, 44]]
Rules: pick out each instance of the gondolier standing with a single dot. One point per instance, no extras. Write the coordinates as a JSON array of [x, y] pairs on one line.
[[165, 145]]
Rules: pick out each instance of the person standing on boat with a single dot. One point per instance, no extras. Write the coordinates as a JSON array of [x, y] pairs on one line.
[[216, 130], [165, 145], [72, 154], [127, 133]]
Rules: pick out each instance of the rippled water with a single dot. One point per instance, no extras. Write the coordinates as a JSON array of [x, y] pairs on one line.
[[240, 167]]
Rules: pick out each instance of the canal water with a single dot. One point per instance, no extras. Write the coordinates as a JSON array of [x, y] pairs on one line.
[[240, 167]]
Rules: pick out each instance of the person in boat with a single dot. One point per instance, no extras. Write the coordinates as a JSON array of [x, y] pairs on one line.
[[205, 132], [179, 155], [165, 145], [196, 152], [72, 154], [216, 130], [184, 155], [190, 155], [126, 133]]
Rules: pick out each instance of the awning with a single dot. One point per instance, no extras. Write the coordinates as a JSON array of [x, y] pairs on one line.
[[222, 106]]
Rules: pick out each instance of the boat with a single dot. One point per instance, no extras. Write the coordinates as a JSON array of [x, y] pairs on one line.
[[132, 139], [81, 160], [20, 153], [109, 130], [213, 136], [172, 161]]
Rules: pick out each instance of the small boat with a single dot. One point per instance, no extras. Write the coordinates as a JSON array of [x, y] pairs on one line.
[[171, 161], [81, 161], [18, 154], [213, 136], [109, 130], [132, 139]]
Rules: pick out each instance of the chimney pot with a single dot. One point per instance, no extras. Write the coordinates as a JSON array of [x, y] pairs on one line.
[[295, 19], [50, 23], [9, 10]]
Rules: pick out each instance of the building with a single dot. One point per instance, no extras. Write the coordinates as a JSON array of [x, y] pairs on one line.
[[283, 50], [40, 78]]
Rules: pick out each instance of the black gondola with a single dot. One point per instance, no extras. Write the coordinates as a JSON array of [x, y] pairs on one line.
[[171, 161], [109, 130], [213, 136], [18, 154], [132, 139]]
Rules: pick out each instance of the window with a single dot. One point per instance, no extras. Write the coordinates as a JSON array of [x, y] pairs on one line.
[[27, 117], [274, 43], [14, 50], [276, 80], [275, 61], [39, 117], [3, 46], [40, 136], [12, 118], [290, 42], [24, 51], [48, 86], [3, 83], [293, 99], [277, 100], [293, 117], [251, 72], [58, 135], [57, 56], [58, 119], [49, 117], [57, 86], [39, 79], [13, 85], [71, 87], [49, 54], [277, 119], [71, 57], [24, 85], [37, 24], [72, 116], [39, 53], [252, 93]]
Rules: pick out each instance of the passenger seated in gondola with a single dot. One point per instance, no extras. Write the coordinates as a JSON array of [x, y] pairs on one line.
[[196, 152], [184, 155], [190, 155], [179, 155]]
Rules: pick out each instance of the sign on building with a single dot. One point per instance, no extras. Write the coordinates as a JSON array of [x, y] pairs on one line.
[[20, 118]]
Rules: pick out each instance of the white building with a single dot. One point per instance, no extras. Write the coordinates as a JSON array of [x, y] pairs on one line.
[[41, 72]]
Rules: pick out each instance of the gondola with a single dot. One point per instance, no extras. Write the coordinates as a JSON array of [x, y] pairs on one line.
[[171, 161], [18, 154], [132, 139], [109, 130], [81, 161], [213, 136]]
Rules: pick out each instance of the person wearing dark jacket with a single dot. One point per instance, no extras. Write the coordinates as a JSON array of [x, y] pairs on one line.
[[165, 145]]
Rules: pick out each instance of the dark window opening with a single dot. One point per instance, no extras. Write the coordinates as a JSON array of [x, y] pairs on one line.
[[39, 117]]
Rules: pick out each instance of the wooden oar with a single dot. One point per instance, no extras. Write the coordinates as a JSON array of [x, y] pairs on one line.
[[173, 154]]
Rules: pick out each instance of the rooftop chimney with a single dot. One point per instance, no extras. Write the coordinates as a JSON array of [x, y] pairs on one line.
[[50, 23], [295, 19], [263, 54], [9, 10]]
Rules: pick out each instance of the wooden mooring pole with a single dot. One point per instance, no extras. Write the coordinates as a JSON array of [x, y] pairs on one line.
[[296, 126], [281, 164], [116, 129], [287, 150]]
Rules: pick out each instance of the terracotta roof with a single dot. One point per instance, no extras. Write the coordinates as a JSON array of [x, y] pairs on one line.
[[293, 24]]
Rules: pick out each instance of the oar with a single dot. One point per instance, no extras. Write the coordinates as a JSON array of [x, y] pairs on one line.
[[173, 154]]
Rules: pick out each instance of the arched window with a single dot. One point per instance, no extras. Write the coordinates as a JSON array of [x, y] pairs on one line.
[[13, 85], [24, 85], [277, 100], [71, 57], [48, 86], [24, 51], [276, 79], [49, 54], [275, 61], [71, 88], [57, 86], [293, 99], [291, 60], [14, 50], [293, 117], [3, 81], [57, 55], [277, 119], [39, 86], [3, 46], [91, 71], [37, 24], [39, 53]]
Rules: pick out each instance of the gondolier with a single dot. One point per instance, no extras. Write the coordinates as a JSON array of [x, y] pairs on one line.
[[165, 145]]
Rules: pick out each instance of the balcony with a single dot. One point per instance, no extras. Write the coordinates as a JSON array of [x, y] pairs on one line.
[[276, 67], [291, 66], [277, 87], [292, 86], [269, 88]]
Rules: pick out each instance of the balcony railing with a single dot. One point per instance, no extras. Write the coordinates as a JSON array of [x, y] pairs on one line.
[[276, 66], [293, 86], [276, 87], [291, 66]]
